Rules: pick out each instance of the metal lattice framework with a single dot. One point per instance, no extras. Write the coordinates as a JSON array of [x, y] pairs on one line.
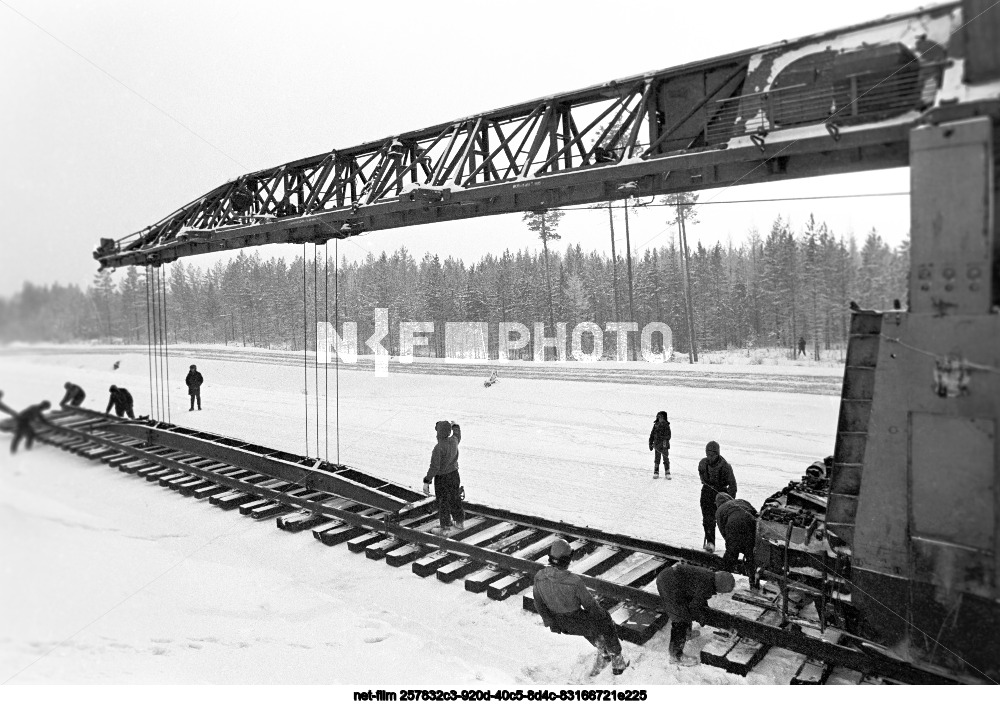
[[799, 109]]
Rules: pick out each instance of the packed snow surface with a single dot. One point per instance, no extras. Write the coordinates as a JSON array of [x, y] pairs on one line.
[[109, 579]]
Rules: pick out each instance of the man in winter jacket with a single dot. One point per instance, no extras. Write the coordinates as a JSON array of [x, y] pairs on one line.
[[193, 382], [567, 607], [685, 590], [737, 520], [447, 483], [34, 414], [716, 476], [121, 399], [659, 441], [74, 395]]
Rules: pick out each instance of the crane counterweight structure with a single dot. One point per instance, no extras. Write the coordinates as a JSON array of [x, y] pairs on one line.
[[913, 512]]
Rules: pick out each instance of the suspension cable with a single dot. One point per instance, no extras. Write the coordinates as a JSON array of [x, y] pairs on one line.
[[316, 328], [305, 346], [156, 340], [336, 327], [326, 346], [166, 344], [163, 386], [149, 344]]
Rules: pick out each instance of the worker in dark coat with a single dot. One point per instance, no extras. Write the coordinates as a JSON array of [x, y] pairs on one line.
[[74, 395], [567, 607], [23, 425], [716, 476], [659, 441], [121, 399], [194, 381], [737, 520], [685, 590], [447, 482]]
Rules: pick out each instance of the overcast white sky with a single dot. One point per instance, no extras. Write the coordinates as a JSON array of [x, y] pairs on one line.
[[245, 85]]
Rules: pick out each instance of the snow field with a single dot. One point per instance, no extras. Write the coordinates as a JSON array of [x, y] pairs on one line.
[[112, 580]]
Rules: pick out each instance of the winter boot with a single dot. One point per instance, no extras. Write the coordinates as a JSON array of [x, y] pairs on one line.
[[709, 545], [618, 664], [683, 660], [441, 530]]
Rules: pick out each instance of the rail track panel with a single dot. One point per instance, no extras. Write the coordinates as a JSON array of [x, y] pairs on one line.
[[497, 553]]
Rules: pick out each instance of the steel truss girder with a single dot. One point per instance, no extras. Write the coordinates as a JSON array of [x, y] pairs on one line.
[[709, 123]]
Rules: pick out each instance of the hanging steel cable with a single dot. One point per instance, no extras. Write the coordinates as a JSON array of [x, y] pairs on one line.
[[326, 356], [305, 347], [166, 344], [156, 341], [149, 342], [316, 328], [336, 327]]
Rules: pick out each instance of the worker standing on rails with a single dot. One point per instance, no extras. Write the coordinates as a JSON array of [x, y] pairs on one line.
[[716, 476], [737, 520], [447, 482], [194, 381], [121, 399], [685, 590], [74, 395], [23, 425], [659, 442], [567, 607]]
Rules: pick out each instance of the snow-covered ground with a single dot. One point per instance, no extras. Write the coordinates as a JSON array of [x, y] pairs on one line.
[[108, 579]]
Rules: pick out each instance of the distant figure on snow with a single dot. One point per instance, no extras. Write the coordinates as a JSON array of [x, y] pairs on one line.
[[116, 365], [23, 425], [492, 380], [194, 381], [685, 590], [447, 482], [802, 348], [659, 442], [716, 476], [121, 400], [567, 607], [74, 395], [737, 520]]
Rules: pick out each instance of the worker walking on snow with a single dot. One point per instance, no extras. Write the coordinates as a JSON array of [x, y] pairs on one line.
[[685, 590], [567, 607], [74, 395], [121, 399], [659, 442], [716, 476], [23, 425], [447, 482], [737, 520], [194, 381]]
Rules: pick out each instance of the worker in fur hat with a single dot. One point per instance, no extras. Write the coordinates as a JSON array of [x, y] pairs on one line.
[[685, 590], [716, 476], [567, 607]]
